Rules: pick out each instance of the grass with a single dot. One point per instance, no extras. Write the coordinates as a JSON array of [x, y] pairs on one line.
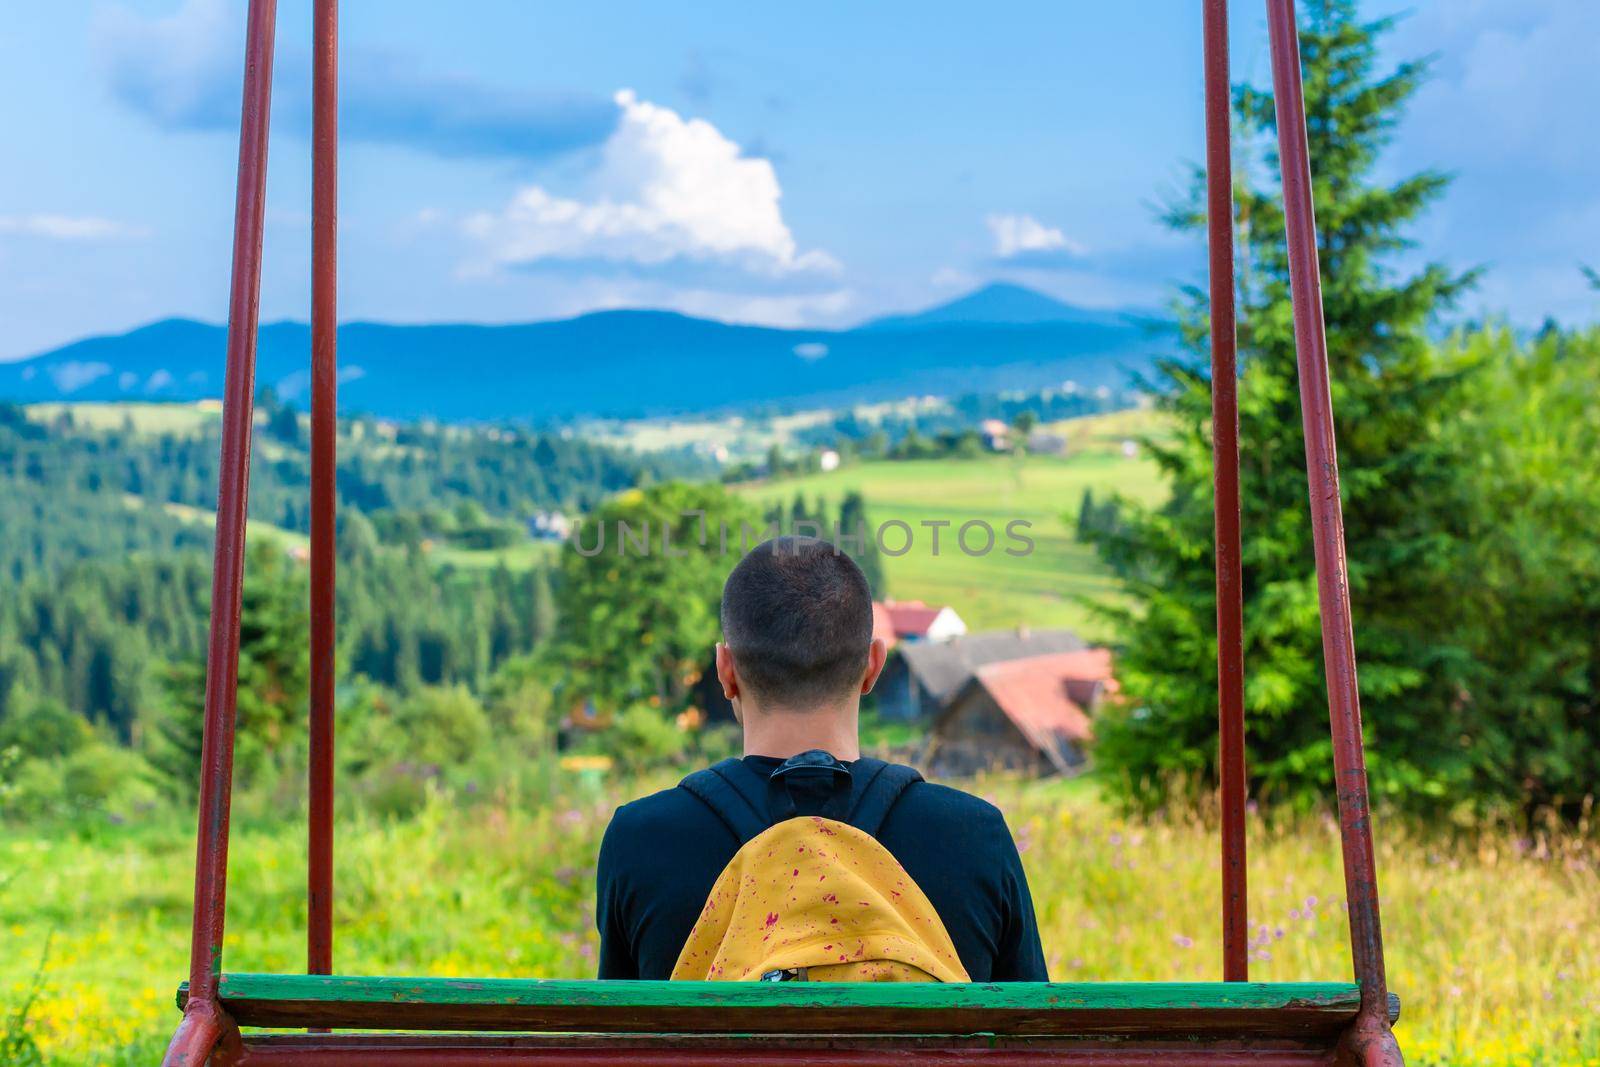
[[188, 419], [255, 529], [993, 591], [743, 437], [524, 555], [1490, 938]]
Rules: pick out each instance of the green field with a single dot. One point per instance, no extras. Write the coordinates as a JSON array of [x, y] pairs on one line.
[[1490, 936], [524, 555], [256, 530], [995, 590], [142, 417]]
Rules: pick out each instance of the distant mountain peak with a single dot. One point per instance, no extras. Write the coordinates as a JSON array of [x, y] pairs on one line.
[[999, 304]]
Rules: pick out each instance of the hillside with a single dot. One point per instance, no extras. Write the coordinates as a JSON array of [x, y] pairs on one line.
[[617, 364], [996, 590]]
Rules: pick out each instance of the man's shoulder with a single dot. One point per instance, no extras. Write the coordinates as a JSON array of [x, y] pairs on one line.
[[940, 833], [930, 803], [671, 809]]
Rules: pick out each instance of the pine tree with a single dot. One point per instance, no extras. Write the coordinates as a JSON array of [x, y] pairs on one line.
[[542, 618], [853, 522], [1392, 395], [273, 681]]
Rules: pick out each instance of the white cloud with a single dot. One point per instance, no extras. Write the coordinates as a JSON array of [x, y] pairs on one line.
[[666, 191], [810, 350], [74, 374], [69, 227], [1017, 236]]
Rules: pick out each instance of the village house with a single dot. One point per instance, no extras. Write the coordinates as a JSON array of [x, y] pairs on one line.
[[996, 435], [1029, 715], [913, 620], [549, 526], [923, 675]]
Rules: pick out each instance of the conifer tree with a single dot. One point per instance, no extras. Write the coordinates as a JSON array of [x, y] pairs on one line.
[[853, 522]]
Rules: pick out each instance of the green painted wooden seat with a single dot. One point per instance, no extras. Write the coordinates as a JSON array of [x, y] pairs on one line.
[[1284, 1022]]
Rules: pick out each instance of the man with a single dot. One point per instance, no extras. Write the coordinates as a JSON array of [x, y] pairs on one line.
[[796, 658]]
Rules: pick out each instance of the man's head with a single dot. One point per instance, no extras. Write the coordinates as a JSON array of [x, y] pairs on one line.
[[797, 630]]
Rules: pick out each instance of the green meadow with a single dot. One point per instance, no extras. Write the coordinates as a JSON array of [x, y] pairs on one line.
[[1490, 935], [996, 590]]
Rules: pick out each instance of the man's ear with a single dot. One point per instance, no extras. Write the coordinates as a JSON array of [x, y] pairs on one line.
[[725, 672], [876, 656]]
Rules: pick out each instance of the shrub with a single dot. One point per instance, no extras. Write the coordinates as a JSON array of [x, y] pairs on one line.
[[643, 739], [44, 730]]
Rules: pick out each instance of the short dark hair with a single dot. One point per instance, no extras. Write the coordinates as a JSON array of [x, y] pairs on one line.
[[797, 616]]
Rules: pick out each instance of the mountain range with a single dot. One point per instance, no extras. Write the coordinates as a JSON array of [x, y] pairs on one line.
[[621, 364]]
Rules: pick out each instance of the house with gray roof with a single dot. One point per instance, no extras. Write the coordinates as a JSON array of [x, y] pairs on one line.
[[923, 677]]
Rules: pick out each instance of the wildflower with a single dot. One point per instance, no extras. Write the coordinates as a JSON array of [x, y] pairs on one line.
[[1182, 941]]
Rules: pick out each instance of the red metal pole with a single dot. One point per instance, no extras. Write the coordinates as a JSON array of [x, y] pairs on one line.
[[202, 1023], [324, 445], [1370, 1040], [1225, 478]]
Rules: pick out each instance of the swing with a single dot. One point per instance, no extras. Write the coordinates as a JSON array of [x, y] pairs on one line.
[[468, 1022]]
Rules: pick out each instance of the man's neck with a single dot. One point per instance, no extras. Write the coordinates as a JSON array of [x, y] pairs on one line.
[[781, 734]]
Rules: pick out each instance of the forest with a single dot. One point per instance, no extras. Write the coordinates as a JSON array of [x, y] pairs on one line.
[[105, 571]]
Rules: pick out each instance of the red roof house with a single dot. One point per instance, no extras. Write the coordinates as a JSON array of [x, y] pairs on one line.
[[913, 620], [1031, 715], [883, 625]]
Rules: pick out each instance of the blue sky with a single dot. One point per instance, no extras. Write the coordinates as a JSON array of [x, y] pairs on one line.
[[509, 160]]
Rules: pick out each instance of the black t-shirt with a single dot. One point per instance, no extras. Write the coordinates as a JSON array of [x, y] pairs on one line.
[[662, 854]]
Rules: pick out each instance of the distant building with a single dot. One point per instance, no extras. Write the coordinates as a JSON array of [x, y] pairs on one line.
[[1041, 443], [1030, 715], [923, 676], [549, 526], [883, 626], [996, 435], [912, 620]]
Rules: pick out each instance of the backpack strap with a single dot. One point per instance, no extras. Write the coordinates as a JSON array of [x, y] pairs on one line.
[[881, 786], [738, 796], [735, 794]]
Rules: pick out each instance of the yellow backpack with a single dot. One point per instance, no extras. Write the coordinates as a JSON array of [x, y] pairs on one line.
[[813, 897]]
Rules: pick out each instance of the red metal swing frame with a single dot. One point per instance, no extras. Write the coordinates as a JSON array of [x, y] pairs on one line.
[[591, 1023]]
